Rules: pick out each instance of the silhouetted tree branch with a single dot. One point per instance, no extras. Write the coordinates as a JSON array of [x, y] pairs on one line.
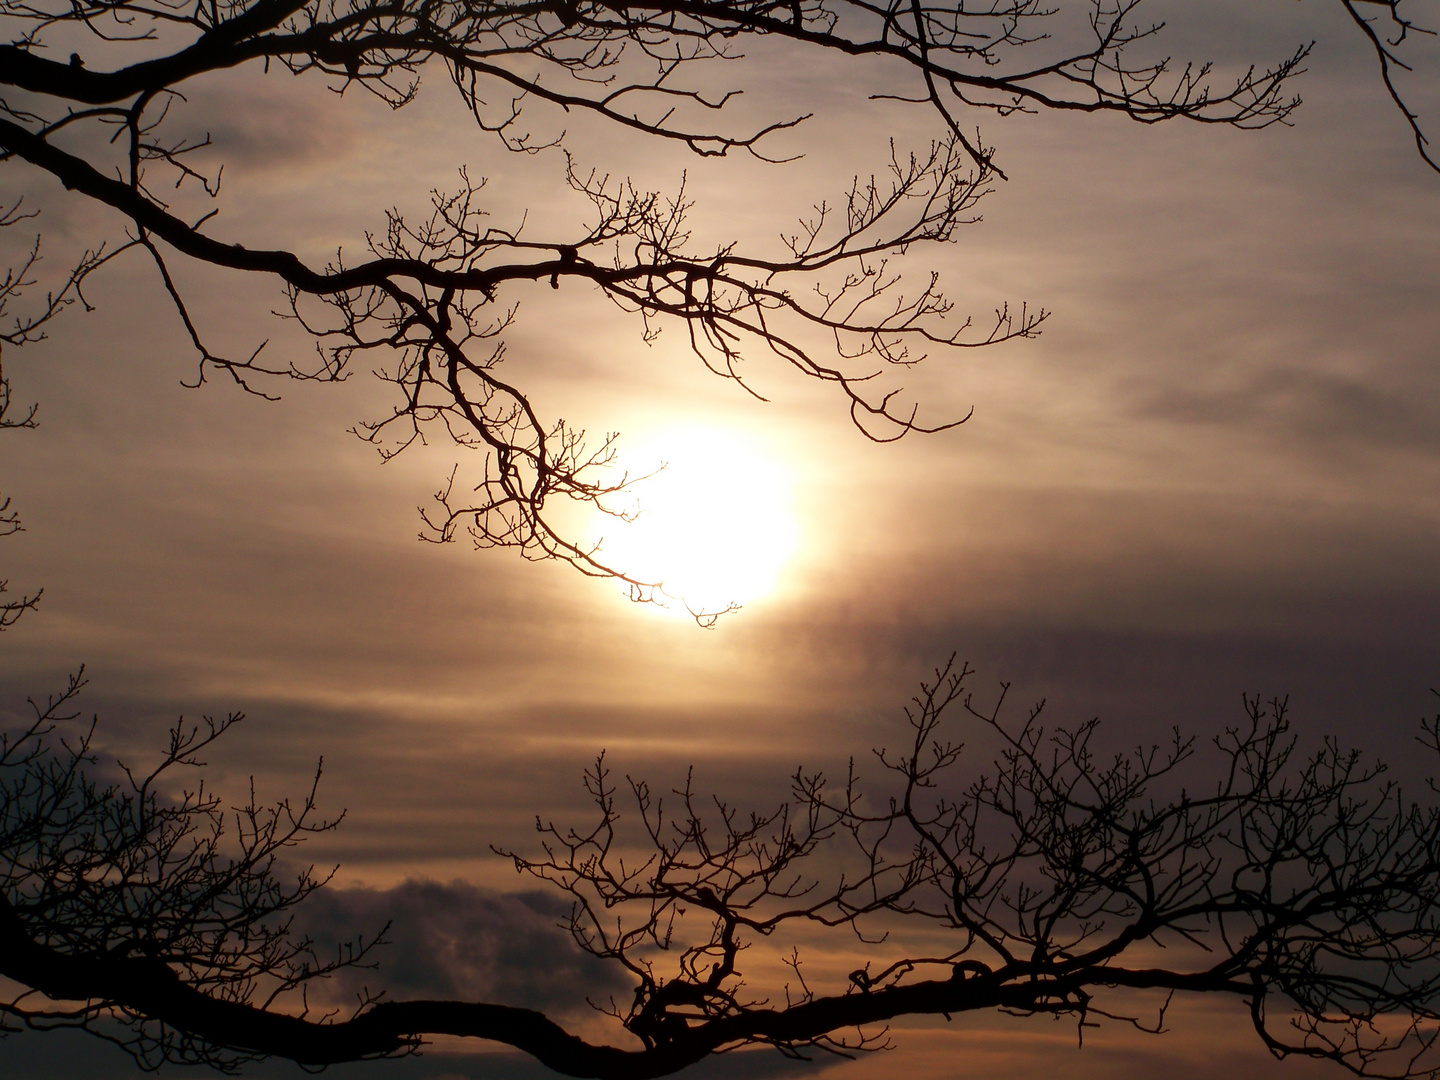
[[23, 329], [143, 902], [10, 610], [431, 300], [1387, 47], [1056, 880]]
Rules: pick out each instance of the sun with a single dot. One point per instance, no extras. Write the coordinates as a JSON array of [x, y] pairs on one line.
[[715, 526]]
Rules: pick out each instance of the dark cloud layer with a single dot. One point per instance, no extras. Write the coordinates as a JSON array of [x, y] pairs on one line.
[[1321, 408], [461, 942]]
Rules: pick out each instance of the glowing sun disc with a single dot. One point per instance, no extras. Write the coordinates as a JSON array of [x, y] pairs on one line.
[[716, 526]]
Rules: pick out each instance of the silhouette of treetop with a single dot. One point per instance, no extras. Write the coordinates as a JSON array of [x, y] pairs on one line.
[[1051, 881]]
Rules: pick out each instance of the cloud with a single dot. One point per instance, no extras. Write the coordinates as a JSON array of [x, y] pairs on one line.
[[284, 123], [459, 941], [1316, 404]]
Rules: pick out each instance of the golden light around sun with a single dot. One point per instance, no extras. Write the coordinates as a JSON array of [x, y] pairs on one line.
[[716, 526]]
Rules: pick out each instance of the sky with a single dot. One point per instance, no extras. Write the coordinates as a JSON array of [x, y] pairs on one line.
[[1215, 473]]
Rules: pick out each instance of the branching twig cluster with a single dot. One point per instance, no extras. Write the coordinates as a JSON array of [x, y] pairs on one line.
[[431, 300], [1305, 886], [11, 610], [115, 891], [1058, 879]]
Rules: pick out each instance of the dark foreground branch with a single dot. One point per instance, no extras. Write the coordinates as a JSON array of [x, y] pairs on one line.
[[151, 989], [431, 300], [1047, 882]]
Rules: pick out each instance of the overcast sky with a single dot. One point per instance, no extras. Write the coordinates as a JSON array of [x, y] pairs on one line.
[[1215, 473]]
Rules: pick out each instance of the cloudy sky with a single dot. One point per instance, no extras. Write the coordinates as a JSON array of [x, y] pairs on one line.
[[1215, 473]]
